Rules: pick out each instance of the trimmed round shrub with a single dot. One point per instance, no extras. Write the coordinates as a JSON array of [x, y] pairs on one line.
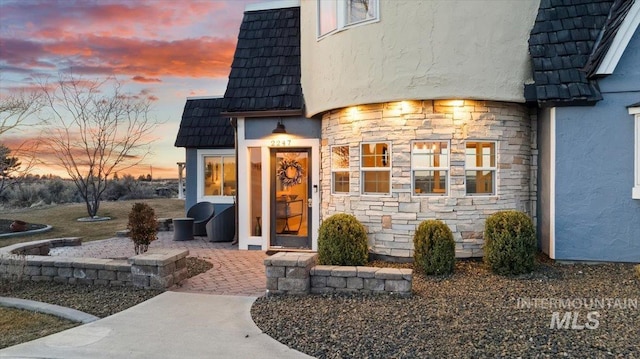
[[434, 250], [342, 240], [142, 226], [509, 243]]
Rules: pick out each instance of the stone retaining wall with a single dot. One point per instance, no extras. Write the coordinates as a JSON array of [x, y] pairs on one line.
[[157, 269], [366, 280], [297, 273]]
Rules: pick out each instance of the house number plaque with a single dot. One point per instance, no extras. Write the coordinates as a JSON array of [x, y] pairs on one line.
[[280, 143]]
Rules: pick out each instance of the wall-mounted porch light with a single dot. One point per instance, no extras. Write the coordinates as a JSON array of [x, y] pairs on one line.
[[279, 128]]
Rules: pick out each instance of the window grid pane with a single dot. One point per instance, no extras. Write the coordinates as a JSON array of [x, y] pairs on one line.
[[376, 182], [375, 155], [340, 182], [480, 155], [327, 16], [360, 10], [430, 167]]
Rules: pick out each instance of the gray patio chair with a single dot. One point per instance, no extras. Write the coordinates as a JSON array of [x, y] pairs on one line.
[[201, 213], [222, 227]]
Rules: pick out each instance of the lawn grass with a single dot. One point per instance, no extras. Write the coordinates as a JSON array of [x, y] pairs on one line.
[[64, 217], [24, 326]]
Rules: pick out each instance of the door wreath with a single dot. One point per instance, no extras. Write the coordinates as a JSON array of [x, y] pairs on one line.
[[290, 172]]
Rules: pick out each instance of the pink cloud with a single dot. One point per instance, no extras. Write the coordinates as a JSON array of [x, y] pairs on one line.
[[145, 79]]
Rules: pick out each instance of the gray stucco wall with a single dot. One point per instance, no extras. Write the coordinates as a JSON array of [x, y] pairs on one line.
[[256, 128], [191, 179], [596, 218], [544, 184]]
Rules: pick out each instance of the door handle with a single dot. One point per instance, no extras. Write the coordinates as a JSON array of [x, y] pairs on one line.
[[310, 202]]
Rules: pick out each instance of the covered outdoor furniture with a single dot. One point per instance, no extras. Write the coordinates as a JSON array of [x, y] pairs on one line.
[[201, 213], [182, 229], [222, 227]]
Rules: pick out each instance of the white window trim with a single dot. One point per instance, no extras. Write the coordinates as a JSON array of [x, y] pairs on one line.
[[333, 170], [447, 169], [377, 169], [200, 169], [341, 18], [635, 192], [474, 168]]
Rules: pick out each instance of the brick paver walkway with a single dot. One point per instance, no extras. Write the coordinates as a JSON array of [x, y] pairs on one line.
[[234, 272]]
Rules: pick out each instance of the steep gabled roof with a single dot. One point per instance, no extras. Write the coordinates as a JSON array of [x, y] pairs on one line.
[[202, 126], [560, 44], [619, 11], [265, 74]]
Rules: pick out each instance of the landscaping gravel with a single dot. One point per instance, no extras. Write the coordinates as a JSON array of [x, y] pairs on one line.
[[470, 314], [100, 301]]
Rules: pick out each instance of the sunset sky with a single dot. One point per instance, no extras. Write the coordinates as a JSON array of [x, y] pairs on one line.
[[165, 50]]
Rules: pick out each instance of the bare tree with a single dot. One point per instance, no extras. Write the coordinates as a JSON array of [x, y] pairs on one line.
[[96, 129], [15, 108], [17, 160]]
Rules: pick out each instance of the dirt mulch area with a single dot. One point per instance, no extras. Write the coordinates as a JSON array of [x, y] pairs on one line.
[[6, 223], [470, 314]]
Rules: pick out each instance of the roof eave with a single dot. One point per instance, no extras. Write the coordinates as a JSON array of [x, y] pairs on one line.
[[265, 113]]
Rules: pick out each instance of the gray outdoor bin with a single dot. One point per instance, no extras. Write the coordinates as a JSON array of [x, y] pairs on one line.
[[182, 229]]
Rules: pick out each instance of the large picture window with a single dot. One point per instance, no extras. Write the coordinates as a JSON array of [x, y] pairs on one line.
[[340, 169], [375, 168], [217, 174], [480, 168], [430, 168], [334, 15]]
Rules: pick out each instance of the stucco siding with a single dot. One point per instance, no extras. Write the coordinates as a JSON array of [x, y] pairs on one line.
[[596, 218], [191, 166], [419, 50]]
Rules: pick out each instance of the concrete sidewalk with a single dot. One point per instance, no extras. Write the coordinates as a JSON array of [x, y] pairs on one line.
[[171, 325]]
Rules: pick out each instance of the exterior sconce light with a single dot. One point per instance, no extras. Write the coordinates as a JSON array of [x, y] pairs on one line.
[[279, 128]]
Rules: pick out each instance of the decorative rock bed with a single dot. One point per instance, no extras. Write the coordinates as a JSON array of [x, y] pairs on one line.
[[157, 269], [297, 273]]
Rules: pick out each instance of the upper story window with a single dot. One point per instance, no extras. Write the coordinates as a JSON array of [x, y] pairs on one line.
[[375, 168], [340, 169], [480, 168], [430, 167], [335, 15]]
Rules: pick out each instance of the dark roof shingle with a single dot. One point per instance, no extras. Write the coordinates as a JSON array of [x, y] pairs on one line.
[[560, 44], [203, 127], [265, 73]]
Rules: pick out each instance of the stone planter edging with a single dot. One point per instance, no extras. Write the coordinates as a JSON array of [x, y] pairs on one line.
[[155, 269], [297, 273]]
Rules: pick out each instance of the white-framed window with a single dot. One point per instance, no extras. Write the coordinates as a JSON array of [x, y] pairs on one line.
[[340, 169], [375, 168], [335, 15], [635, 192], [217, 175], [430, 168], [480, 168]]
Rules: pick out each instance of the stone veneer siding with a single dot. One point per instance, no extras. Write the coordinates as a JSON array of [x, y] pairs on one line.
[[391, 219]]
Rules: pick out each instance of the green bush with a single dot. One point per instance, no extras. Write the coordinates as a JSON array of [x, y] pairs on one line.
[[342, 240], [509, 243], [434, 248], [142, 226]]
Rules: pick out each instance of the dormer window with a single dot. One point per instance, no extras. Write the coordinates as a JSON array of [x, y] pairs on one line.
[[336, 15]]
